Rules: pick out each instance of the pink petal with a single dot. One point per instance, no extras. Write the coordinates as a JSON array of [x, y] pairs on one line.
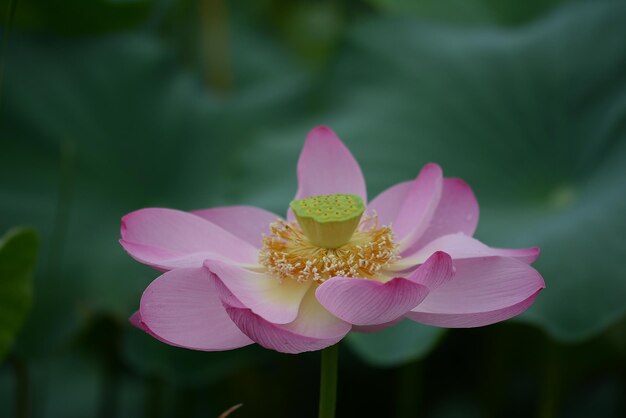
[[246, 222], [436, 271], [314, 328], [164, 260], [326, 166], [273, 300], [370, 302], [407, 207], [387, 205], [182, 308], [483, 291], [457, 211], [135, 320], [167, 239], [473, 320], [417, 208], [460, 246]]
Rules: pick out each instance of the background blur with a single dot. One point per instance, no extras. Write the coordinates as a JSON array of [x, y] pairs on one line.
[[107, 106]]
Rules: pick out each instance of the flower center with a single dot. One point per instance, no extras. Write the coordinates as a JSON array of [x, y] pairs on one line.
[[330, 239], [329, 221]]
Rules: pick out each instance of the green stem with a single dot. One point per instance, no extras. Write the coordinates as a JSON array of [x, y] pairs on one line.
[[409, 392], [552, 381], [328, 381]]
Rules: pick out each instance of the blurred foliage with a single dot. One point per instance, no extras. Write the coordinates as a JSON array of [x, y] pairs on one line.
[[79, 18], [400, 344], [18, 255], [112, 105], [468, 12], [532, 118]]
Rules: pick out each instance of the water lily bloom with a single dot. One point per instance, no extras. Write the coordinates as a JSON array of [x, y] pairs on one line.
[[239, 275]]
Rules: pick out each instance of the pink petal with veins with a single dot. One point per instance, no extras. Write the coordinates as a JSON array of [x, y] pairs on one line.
[[182, 308], [246, 222], [370, 302], [168, 239], [273, 300], [314, 328], [326, 166], [460, 246], [483, 291]]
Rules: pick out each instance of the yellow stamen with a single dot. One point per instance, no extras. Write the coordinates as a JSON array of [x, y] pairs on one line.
[[287, 253]]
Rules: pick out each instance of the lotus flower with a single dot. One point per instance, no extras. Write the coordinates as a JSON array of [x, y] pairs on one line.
[[239, 274]]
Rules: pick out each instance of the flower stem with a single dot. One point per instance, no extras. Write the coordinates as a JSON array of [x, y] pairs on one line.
[[552, 381], [409, 392], [328, 381]]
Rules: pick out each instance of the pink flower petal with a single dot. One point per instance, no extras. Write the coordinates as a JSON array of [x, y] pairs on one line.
[[326, 166], [164, 260], [167, 239], [475, 319], [457, 211], [370, 302], [246, 222], [314, 328], [483, 291], [420, 203], [273, 300], [408, 207], [436, 271], [387, 204], [182, 308], [135, 320], [460, 246]]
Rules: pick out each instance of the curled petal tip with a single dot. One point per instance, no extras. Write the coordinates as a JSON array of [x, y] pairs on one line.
[[459, 182], [135, 320], [433, 166], [442, 255], [321, 129]]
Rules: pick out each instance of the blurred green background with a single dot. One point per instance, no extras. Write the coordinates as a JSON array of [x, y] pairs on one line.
[[107, 106]]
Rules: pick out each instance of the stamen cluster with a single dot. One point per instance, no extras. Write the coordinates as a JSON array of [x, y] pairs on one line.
[[288, 254]]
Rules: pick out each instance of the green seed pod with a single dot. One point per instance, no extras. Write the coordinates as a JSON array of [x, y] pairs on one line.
[[329, 221]]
